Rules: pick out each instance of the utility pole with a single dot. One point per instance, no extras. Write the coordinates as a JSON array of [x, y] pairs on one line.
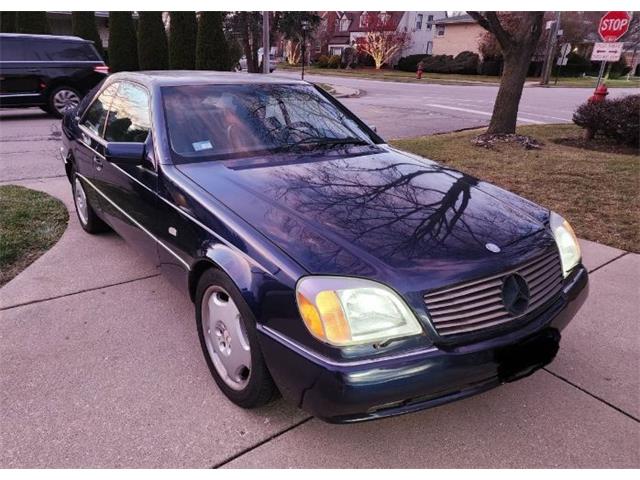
[[551, 51], [266, 48]]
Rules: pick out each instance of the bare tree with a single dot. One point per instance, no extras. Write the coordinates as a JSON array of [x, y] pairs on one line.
[[381, 40], [517, 49]]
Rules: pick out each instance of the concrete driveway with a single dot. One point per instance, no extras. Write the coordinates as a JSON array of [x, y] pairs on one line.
[[101, 367]]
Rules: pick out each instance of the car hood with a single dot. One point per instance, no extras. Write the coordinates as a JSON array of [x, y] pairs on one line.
[[378, 213]]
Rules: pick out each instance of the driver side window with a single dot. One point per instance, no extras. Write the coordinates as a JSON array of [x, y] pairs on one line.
[[129, 119], [96, 115]]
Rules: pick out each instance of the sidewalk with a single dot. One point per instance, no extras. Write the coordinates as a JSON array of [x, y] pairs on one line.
[[101, 367]]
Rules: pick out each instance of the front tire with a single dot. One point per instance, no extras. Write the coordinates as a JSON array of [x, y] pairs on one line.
[[229, 340], [89, 221]]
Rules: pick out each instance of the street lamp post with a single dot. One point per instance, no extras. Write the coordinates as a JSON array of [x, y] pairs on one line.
[[305, 27], [266, 48]]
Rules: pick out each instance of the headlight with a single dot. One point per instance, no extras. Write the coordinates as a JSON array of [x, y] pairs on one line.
[[567, 242], [348, 311]]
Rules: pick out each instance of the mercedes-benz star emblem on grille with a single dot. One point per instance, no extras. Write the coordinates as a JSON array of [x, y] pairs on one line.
[[515, 294], [492, 247]]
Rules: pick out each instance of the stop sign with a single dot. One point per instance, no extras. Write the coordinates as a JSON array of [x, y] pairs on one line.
[[613, 25]]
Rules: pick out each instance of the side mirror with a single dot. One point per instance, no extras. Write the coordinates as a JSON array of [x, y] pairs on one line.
[[374, 128], [125, 153]]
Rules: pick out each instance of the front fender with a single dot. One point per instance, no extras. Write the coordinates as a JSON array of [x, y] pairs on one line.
[[250, 279]]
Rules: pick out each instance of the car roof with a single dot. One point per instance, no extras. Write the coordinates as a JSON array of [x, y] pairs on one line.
[[165, 78], [65, 38]]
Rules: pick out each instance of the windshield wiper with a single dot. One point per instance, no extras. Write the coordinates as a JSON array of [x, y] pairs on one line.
[[326, 141]]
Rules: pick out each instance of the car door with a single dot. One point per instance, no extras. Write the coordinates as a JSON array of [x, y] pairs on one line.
[[88, 150], [129, 191], [19, 72]]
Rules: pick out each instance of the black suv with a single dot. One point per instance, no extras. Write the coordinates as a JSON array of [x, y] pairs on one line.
[[46, 71]]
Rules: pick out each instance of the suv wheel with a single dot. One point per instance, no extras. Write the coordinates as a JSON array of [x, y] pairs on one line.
[[62, 99]]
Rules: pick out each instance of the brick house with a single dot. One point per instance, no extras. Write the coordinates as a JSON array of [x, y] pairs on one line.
[[338, 30]]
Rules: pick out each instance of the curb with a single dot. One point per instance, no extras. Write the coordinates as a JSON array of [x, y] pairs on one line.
[[355, 94]]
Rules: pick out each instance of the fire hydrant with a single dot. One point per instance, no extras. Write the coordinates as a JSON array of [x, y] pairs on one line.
[[420, 70], [599, 94]]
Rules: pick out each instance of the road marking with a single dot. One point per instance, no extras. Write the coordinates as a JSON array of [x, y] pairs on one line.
[[548, 116], [479, 112]]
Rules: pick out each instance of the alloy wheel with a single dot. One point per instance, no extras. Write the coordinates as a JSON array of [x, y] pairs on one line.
[[64, 99], [80, 199], [226, 338]]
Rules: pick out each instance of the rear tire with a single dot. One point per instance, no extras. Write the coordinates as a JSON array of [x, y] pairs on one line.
[[63, 98], [229, 340], [89, 221]]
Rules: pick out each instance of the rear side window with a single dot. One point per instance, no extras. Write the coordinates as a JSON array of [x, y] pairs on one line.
[[94, 118], [57, 51], [16, 50], [43, 50], [129, 118]]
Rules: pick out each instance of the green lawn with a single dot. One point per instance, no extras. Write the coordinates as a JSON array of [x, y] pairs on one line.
[[590, 82], [598, 191], [31, 222], [444, 78]]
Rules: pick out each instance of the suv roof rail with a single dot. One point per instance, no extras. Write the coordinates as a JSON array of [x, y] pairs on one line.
[[67, 38]]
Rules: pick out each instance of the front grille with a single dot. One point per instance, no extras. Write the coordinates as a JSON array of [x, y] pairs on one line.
[[478, 304]]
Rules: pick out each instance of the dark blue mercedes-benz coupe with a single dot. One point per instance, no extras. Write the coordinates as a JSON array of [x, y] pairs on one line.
[[358, 280]]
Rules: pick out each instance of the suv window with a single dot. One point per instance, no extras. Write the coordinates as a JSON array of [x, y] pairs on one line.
[[129, 118], [96, 114], [46, 50], [16, 49], [65, 51]]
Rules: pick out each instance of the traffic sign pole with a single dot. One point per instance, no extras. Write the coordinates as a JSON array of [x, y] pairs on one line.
[[602, 65], [612, 26]]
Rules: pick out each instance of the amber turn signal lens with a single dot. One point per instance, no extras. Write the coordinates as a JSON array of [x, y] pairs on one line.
[[335, 324], [310, 316]]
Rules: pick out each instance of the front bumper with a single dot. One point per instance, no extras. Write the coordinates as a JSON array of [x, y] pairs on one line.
[[365, 390]]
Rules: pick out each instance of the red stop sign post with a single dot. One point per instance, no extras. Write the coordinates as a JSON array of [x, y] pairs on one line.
[[613, 25]]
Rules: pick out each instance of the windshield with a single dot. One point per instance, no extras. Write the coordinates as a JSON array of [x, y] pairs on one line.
[[227, 121]]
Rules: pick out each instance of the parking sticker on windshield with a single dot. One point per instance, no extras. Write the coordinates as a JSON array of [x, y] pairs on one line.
[[204, 145]]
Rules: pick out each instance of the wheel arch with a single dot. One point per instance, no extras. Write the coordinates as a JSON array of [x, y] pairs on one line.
[[225, 259], [62, 82]]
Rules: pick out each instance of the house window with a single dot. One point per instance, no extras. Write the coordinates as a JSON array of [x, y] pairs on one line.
[[440, 30], [429, 22], [363, 19], [429, 47], [419, 21], [344, 24], [383, 17], [335, 50]]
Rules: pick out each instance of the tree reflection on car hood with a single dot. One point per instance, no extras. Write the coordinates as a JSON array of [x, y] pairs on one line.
[[386, 215]]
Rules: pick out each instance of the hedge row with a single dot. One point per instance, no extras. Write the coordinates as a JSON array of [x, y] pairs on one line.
[[332, 61], [469, 63], [465, 62], [617, 119]]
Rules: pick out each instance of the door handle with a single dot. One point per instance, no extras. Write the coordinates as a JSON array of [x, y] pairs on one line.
[[97, 162]]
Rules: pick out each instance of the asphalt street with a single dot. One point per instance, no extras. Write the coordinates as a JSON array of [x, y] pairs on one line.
[[401, 110], [100, 364]]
